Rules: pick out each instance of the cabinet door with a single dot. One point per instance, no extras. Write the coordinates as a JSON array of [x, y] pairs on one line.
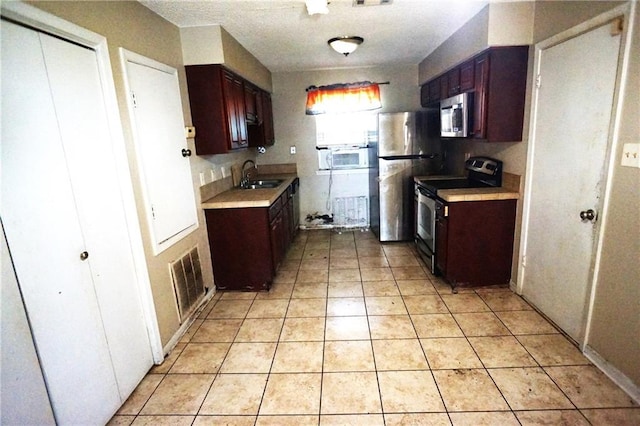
[[444, 87], [267, 119], [261, 133], [453, 78], [424, 95], [234, 101], [207, 89], [277, 246], [239, 97], [232, 110], [252, 102], [441, 239], [480, 96], [292, 223], [467, 76], [240, 242]]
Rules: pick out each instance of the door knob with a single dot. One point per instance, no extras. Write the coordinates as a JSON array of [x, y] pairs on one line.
[[186, 153], [588, 215], [84, 255]]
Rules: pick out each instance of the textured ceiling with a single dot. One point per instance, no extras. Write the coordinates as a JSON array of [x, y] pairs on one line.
[[283, 37]]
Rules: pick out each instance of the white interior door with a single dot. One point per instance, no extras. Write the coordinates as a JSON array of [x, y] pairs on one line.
[[160, 139], [60, 198], [566, 173]]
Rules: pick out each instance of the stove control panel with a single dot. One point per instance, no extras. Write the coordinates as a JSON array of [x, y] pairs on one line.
[[485, 165]]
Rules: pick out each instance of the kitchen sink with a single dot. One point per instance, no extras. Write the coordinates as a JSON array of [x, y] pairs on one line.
[[263, 184]]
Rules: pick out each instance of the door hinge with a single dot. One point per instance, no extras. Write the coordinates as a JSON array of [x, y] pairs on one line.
[[133, 98], [538, 81], [617, 26]]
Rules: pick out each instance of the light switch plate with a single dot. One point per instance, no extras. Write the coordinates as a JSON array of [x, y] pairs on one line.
[[631, 155], [292, 150]]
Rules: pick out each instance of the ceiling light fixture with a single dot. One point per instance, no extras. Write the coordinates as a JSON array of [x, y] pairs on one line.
[[317, 7], [346, 44]]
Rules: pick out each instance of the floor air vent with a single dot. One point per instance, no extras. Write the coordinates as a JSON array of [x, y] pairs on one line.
[[187, 282], [351, 211]]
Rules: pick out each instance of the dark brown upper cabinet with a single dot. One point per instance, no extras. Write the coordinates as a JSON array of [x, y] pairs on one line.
[[261, 133], [497, 80], [224, 108], [500, 88]]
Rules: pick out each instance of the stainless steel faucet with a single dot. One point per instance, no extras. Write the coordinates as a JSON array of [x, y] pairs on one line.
[[244, 182]]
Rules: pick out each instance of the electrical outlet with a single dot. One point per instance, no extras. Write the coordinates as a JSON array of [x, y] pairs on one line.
[[292, 150], [631, 155], [203, 181]]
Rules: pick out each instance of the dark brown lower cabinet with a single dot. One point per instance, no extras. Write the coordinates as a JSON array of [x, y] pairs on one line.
[[248, 244], [474, 242]]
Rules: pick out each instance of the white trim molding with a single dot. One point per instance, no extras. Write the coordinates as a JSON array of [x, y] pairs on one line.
[[618, 377]]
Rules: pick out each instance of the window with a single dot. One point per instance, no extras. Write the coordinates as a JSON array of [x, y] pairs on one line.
[[351, 129]]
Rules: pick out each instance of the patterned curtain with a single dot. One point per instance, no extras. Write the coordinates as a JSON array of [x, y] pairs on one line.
[[337, 98]]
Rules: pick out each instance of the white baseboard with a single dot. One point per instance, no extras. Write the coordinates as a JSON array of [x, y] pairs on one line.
[[185, 325], [613, 373]]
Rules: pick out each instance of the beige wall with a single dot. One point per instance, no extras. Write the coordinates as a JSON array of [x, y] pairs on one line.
[[294, 128], [202, 45], [134, 27], [552, 17], [615, 328], [212, 44], [498, 24], [470, 39]]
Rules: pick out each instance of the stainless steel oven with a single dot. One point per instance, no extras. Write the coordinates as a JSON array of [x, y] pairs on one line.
[[425, 237]]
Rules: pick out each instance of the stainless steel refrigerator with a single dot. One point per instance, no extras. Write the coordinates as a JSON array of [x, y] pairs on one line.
[[408, 145]]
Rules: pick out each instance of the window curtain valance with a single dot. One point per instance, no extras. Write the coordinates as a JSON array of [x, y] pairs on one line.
[[340, 98]]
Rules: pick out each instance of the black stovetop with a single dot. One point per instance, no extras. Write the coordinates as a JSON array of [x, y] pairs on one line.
[[433, 185]]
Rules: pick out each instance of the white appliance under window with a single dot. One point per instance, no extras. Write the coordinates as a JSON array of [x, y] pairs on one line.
[[337, 158]]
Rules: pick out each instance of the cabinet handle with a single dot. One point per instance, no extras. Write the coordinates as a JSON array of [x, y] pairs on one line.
[[84, 255], [186, 153]]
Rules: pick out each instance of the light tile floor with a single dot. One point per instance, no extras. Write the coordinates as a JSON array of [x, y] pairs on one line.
[[358, 332]]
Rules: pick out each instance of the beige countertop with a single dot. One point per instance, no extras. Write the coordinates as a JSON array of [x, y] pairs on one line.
[[240, 198], [475, 194]]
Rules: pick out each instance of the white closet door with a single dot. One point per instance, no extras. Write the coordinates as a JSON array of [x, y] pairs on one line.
[[45, 238], [60, 198], [91, 164], [159, 134]]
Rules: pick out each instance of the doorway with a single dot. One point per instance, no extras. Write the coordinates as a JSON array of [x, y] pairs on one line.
[[567, 171]]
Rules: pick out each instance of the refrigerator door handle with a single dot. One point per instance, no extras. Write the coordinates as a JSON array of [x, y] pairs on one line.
[[410, 157]]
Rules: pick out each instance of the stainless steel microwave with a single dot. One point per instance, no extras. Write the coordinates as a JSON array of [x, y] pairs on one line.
[[455, 116]]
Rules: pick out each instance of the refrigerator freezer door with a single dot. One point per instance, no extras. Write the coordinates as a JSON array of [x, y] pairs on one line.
[[396, 134], [408, 134]]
